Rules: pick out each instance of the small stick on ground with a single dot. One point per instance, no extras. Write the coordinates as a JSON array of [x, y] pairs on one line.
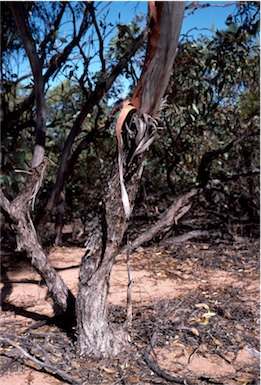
[[44, 365], [128, 321]]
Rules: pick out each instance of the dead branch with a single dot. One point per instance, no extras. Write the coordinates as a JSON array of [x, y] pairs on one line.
[[180, 206], [161, 373], [42, 364], [187, 236]]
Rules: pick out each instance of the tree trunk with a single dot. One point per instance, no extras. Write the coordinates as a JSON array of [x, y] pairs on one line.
[[19, 212], [96, 336], [21, 19]]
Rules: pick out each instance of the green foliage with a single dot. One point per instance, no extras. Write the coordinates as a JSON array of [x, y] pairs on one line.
[[213, 81], [213, 98]]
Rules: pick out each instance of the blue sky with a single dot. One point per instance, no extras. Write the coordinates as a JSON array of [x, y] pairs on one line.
[[210, 18], [202, 18], [123, 12]]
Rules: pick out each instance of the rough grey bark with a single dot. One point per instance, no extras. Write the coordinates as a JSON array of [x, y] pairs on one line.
[[96, 336], [21, 20], [19, 212]]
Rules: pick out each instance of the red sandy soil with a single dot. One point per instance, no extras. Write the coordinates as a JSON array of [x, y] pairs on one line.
[[202, 277]]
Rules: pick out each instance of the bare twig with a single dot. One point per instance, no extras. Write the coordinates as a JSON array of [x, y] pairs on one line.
[[128, 321], [101, 41], [44, 365], [195, 6]]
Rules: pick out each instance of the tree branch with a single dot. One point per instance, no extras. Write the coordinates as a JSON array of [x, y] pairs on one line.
[[42, 364], [55, 63], [21, 20], [60, 58], [26, 238], [170, 216], [101, 88], [208, 157], [161, 373], [196, 6], [101, 45], [50, 36]]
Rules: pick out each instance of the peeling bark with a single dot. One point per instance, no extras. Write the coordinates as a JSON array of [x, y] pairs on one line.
[[96, 336]]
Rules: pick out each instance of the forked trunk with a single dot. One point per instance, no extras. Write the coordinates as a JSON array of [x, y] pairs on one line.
[[96, 336]]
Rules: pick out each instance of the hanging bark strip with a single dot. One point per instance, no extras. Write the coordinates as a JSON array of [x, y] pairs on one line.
[[155, 10], [96, 335]]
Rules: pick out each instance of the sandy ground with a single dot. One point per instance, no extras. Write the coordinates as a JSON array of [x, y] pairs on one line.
[[158, 275]]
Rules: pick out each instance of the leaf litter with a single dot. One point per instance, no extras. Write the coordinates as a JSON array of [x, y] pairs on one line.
[[202, 322]]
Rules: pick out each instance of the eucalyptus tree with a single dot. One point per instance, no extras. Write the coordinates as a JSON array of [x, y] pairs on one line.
[[135, 129]]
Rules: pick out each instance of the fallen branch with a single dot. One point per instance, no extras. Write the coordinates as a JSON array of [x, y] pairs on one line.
[[44, 365], [187, 236], [161, 373], [179, 208]]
